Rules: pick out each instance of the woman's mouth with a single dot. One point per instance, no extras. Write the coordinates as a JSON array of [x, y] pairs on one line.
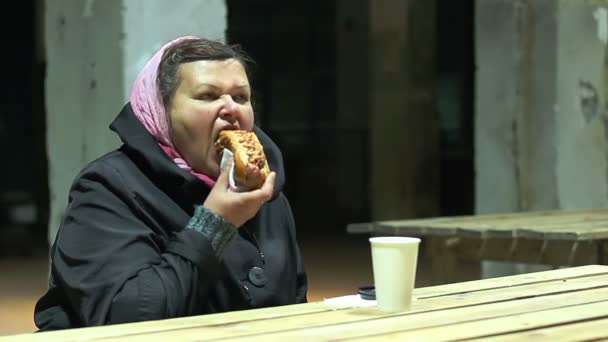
[[225, 128]]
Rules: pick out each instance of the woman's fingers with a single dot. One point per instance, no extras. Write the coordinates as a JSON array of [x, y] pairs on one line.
[[262, 194], [238, 207], [268, 186]]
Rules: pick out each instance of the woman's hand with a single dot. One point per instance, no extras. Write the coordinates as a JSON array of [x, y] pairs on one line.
[[237, 207]]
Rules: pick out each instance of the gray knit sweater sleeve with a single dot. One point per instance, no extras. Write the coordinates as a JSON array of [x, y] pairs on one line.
[[214, 227]]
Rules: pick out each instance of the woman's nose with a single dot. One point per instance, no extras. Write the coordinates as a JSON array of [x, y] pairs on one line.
[[230, 110]]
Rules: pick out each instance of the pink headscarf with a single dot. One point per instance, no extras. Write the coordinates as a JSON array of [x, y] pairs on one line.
[[148, 108]]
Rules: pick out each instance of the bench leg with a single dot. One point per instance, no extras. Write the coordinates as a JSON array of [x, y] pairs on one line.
[[446, 266]]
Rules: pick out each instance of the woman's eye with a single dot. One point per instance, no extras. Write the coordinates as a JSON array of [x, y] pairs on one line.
[[207, 97], [241, 98]]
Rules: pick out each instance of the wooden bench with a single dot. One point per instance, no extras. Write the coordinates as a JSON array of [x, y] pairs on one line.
[[555, 237]]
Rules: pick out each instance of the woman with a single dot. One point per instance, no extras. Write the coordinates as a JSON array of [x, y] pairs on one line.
[[152, 229]]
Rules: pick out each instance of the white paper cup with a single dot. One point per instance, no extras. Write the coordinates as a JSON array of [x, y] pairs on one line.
[[394, 261]]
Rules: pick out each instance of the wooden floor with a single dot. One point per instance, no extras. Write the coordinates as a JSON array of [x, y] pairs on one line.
[[22, 281], [335, 265]]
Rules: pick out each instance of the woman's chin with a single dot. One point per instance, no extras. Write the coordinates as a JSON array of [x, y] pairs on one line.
[[213, 169], [210, 169]]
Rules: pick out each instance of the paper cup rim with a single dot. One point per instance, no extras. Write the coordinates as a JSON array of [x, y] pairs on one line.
[[393, 239]]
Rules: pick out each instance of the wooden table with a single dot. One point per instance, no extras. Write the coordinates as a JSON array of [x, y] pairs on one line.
[[560, 305], [555, 237]]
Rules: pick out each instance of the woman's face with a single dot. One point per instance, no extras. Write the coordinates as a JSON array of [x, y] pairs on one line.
[[211, 96]]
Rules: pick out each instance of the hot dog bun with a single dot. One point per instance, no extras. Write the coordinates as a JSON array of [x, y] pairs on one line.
[[250, 164]]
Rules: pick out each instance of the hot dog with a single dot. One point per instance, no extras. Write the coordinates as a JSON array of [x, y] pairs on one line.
[[250, 164]]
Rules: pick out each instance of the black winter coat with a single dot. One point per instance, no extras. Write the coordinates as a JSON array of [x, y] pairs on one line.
[[122, 253]]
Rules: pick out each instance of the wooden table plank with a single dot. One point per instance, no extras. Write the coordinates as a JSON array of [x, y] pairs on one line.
[[556, 219], [502, 325], [523, 225], [397, 228], [555, 224], [511, 281], [523, 216], [249, 327], [233, 317], [469, 220], [577, 231], [515, 222], [595, 330], [445, 297], [153, 327], [546, 224], [351, 330]]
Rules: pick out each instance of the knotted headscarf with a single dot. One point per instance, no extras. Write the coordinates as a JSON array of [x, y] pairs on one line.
[[147, 105]]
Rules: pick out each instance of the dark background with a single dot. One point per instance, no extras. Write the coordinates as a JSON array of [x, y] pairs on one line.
[[294, 45]]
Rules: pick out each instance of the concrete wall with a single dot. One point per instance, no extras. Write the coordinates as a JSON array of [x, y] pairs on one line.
[[514, 121], [385, 108], [94, 50], [582, 104], [541, 139], [541, 136], [150, 24]]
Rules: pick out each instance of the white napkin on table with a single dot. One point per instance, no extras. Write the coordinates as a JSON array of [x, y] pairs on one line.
[[352, 301]]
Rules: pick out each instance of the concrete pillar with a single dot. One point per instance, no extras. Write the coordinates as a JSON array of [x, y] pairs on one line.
[[541, 137], [94, 50], [404, 126], [386, 72]]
